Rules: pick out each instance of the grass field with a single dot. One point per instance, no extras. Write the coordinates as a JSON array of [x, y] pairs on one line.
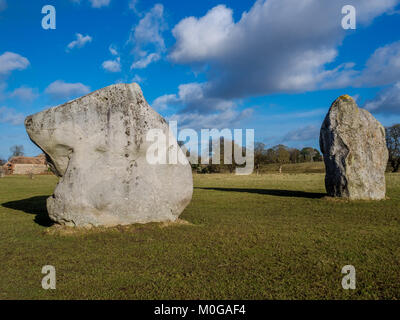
[[258, 237]]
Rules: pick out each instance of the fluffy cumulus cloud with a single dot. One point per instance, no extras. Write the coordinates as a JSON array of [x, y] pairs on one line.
[[195, 110], [147, 37], [191, 97], [79, 42], [274, 47], [62, 90], [24, 94], [199, 40], [3, 5], [99, 3], [383, 67], [112, 65], [387, 101], [11, 116], [10, 61]]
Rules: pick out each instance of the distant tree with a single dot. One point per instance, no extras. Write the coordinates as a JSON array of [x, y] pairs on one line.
[[317, 156], [308, 154], [282, 154], [270, 156], [2, 162], [230, 167], [259, 155], [294, 155], [17, 151], [189, 154], [222, 165], [393, 145]]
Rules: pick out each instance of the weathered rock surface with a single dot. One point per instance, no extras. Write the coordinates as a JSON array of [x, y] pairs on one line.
[[355, 153], [97, 146]]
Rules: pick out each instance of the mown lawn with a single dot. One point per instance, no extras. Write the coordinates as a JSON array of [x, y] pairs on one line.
[[258, 237]]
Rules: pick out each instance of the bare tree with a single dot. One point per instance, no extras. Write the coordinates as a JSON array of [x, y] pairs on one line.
[[17, 151]]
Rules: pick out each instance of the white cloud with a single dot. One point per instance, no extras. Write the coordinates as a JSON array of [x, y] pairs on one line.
[[145, 61], [162, 103], [112, 65], [200, 39], [150, 27], [99, 3], [10, 61], [387, 101], [191, 96], [3, 5], [24, 94], [133, 6], [11, 116], [61, 90], [79, 42], [138, 79], [316, 113], [113, 50], [3, 86], [228, 118], [383, 67], [275, 46], [307, 133], [147, 37], [195, 110]]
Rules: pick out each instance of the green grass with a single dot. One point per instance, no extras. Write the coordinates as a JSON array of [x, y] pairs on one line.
[[305, 167], [257, 237]]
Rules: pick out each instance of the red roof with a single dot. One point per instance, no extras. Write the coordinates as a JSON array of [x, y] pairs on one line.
[[41, 159]]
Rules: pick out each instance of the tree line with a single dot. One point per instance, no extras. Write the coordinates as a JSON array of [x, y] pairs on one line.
[[279, 154], [282, 154]]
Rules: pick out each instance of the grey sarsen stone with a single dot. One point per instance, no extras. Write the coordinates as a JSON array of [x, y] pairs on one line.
[[97, 146], [355, 153]]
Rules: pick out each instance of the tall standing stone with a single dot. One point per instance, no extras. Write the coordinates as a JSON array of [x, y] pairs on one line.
[[354, 146], [97, 146]]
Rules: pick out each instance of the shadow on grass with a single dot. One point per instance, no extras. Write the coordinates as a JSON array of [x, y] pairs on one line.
[[34, 205], [273, 192]]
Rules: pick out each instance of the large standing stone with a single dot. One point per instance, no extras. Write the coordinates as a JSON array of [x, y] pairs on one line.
[[354, 147], [97, 146]]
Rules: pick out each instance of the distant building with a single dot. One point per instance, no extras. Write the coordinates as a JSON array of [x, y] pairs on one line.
[[26, 165]]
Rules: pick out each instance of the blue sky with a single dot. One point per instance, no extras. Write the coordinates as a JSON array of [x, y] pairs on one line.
[[266, 65]]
